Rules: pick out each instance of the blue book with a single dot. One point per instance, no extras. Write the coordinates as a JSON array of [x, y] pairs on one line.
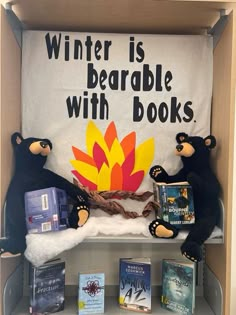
[[135, 284], [176, 204], [47, 287], [46, 210], [91, 293], [178, 286]]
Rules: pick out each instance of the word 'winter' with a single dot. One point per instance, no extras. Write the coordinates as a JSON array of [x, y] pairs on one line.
[[77, 48]]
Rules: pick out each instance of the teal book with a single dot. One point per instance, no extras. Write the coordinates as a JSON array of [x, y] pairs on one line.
[[178, 286], [91, 293], [135, 284], [175, 203]]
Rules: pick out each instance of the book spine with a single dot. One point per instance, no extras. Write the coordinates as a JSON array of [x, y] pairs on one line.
[[164, 203], [32, 276]]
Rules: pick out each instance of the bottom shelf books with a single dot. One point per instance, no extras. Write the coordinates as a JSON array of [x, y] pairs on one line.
[[91, 293], [47, 288], [178, 286], [135, 284]]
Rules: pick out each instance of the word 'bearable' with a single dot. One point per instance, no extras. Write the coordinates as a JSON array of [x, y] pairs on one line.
[[144, 80]]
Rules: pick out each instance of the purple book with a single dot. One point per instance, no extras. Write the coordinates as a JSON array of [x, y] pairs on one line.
[[46, 210]]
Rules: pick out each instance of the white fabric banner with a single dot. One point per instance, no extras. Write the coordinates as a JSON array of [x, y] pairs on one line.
[[112, 104]]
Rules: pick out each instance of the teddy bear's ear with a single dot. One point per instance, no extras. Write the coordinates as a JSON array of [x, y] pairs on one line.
[[16, 139], [181, 136], [210, 142]]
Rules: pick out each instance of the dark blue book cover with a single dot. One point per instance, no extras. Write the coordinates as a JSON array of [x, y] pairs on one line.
[[47, 287], [178, 286], [135, 284], [176, 203]]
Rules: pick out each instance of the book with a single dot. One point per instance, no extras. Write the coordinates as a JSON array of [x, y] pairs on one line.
[[135, 284], [47, 287], [46, 210], [91, 293], [178, 286], [175, 203]]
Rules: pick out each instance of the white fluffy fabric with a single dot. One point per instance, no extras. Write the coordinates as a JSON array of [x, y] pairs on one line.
[[45, 246]]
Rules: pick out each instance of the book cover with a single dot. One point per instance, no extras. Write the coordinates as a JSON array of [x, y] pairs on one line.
[[178, 286], [135, 284], [176, 204], [91, 293], [46, 210], [47, 287]]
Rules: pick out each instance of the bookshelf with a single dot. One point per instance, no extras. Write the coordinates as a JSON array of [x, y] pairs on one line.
[[132, 16]]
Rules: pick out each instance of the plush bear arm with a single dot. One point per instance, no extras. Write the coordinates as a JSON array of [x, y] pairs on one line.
[[55, 180], [178, 177], [158, 173]]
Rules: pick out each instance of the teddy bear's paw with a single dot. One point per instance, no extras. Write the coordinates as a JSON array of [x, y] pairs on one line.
[[192, 251], [189, 257], [78, 216], [158, 173], [155, 171], [4, 254], [162, 229], [83, 215], [6, 251]]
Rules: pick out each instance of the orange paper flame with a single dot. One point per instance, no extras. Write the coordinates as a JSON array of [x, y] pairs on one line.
[[110, 164]]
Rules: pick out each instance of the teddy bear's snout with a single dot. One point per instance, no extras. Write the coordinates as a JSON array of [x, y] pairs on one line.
[[179, 147]]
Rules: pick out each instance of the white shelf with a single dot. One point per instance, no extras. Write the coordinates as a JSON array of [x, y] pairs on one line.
[[142, 239], [112, 308]]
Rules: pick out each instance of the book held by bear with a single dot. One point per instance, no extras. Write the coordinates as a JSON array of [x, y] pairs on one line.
[[178, 286], [135, 284], [46, 210], [91, 293], [175, 203], [47, 287]]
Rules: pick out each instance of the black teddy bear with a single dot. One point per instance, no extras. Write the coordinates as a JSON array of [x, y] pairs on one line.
[[195, 156], [30, 174]]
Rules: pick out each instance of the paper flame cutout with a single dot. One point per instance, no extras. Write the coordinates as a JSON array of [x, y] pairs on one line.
[[110, 164]]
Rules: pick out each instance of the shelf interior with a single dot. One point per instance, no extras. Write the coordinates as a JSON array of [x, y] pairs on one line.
[[112, 308]]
